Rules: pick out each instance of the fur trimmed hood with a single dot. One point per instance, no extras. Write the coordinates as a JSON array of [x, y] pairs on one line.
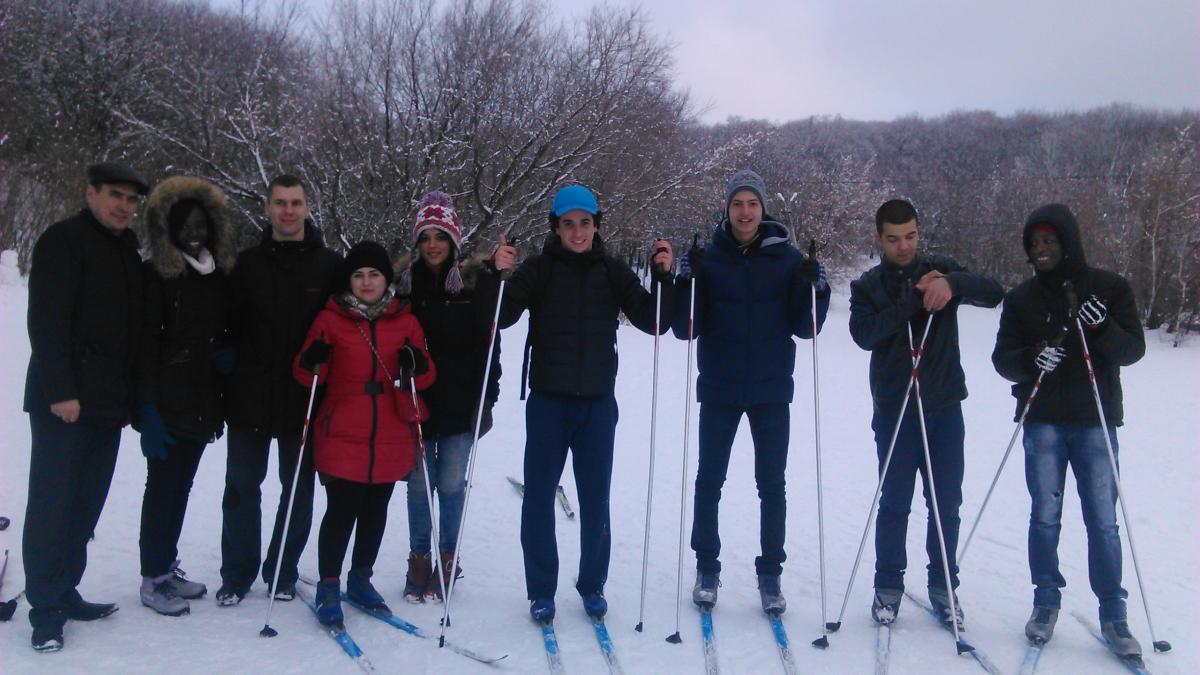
[[165, 256], [470, 267]]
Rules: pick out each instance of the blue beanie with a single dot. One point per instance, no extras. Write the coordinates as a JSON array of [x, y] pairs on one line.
[[574, 198], [745, 180]]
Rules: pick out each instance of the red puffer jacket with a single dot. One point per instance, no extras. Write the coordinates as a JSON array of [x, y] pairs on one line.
[[357, 432]]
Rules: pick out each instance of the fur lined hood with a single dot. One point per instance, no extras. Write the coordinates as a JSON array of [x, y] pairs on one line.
[[164, 256], [470, 267]]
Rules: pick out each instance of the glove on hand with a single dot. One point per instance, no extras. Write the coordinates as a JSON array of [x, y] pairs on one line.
[[813, 272], [412, 361], [691, 263], [317, 353], [155, 437], [1093, 311], [1049, 358], [485, 425]]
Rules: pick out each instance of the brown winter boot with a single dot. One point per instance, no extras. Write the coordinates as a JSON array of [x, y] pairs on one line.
[[419, 567], [433, 593]]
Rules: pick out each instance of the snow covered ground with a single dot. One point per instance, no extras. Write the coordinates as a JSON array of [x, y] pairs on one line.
[[1160, 468]]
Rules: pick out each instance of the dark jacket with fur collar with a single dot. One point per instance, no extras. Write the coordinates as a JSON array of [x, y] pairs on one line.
[[457, 329], [186, 315]]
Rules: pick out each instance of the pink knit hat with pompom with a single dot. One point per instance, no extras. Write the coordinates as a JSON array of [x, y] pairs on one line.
[[436, 211]]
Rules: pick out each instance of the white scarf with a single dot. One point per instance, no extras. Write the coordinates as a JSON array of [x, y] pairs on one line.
[[204, 265]]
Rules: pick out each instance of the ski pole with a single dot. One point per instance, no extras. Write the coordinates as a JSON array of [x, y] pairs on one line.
[[1056, 342], [1159, 645], [823, 641], [267, 631], [653, 427], [433, 517], [675, 637], [462, 523], [959, 643], [887, 461]]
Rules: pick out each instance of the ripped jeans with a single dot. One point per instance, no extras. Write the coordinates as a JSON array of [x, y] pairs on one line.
[[1049, 448]]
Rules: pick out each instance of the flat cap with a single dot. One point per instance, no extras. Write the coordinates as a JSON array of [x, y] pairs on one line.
[[111, 172]]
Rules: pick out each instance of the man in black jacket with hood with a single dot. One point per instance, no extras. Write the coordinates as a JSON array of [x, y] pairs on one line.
[[278, 288], [891, 303], [85, 318], [1037, 335]]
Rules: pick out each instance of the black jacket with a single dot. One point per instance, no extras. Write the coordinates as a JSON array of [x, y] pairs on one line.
[[457, 331], [574, 300], [278, 287], [1036, 313], [882, 305], [187, 316], [85, 319]]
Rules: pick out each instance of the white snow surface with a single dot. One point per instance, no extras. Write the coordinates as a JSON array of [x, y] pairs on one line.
[[1160, 470]]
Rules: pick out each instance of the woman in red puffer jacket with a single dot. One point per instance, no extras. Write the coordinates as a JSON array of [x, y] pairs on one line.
[[366, 347]]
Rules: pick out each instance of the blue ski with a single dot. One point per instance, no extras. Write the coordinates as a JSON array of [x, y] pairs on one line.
[[1135, 664], [781, 641], [981, 658], [883, 648], [550, 642], [339, 634], [711, 667], [396, 622], [606, 646]]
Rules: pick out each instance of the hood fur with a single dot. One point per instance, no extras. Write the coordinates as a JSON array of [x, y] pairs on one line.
[[166, 258]]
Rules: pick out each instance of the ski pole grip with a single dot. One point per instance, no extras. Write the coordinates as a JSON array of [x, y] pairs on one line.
[[812, 248], [505, 274], [1072, 298]]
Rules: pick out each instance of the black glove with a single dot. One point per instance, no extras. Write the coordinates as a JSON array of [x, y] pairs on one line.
[[412, 361], [485, 425], [691, 263], [1093, 311], [1049, 358], [317, 353], [813, 272]]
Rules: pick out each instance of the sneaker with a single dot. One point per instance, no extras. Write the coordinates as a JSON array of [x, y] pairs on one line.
[[47, 639], [886, 605], [542, 611], [160, 596], [285, 592], [1120, 639], [184, 587], [704, 593], [595, 605], [229, 595], [771, 594], [1040, 627], [360, 591], [83, 610], [417, 579], [329, 602], [940, 601]]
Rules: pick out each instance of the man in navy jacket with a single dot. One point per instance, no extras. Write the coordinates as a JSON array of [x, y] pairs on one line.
[[753, 293]]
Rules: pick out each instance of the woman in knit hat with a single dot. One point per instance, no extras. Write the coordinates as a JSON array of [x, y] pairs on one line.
[[454, 299], [368, 349]]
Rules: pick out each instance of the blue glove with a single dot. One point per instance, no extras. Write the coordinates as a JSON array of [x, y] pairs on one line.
[[224, 359], [155, 437], [691, 263]]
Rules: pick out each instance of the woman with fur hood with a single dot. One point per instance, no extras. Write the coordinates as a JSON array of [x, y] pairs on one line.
[[454, 301], [368, 350], [182, 363]]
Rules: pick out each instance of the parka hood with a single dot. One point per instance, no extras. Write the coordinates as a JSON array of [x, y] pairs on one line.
[[166, 258], [1063, 221]]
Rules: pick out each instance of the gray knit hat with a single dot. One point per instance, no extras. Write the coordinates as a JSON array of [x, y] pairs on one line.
[[745, 180]]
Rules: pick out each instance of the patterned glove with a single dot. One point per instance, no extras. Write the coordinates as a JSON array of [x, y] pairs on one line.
[[1049, 358], [1093, 312]]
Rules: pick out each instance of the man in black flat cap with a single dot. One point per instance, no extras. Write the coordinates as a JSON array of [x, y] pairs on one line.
[[85, 316]]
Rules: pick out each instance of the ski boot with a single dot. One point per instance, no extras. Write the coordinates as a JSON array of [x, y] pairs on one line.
[[229, 595], [940, 602], [158, 594], [885, 607], [79, 609], [594, 604], [329, 603], [771, 594], [704, 593], [1120, 640], [47, 639], [542, 611], [417, 578], [184, 587], [1040, 627], [360, 591]]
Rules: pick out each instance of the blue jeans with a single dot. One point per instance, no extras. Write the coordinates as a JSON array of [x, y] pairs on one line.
[[1049, 448], [946, 435], [586, 426], [769, 427], [447, 458]]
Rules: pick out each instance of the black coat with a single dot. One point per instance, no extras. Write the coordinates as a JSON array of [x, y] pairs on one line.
[[1036, 313], [880, 310], [278, 287], [574, 300], [85, 319], [457, 331]]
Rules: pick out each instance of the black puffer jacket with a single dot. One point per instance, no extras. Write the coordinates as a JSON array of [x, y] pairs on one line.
[[881, 307], [278, 289], [573, 301], [1036, 312], [85, 319], [187, 316], [457, 329]]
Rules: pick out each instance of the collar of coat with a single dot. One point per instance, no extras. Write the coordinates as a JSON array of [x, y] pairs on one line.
[[771, 234]]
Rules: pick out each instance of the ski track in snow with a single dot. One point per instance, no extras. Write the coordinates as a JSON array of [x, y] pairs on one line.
[[1158, 449]]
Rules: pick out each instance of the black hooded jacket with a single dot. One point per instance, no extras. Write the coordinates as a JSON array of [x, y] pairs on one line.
[[278, 289], [1036, 313], [882, 305], [574, 300]]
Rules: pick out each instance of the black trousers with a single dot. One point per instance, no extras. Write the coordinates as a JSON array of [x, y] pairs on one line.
[[349, 504], [70, 471], [241, 509], [164, 503]]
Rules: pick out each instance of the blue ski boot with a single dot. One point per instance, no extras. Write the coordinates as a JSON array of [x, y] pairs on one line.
[[542, 611], [329, 602], [595, 605], [360, 591]]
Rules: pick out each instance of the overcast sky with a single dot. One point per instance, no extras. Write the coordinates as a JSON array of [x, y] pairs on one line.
[[880, 59]]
